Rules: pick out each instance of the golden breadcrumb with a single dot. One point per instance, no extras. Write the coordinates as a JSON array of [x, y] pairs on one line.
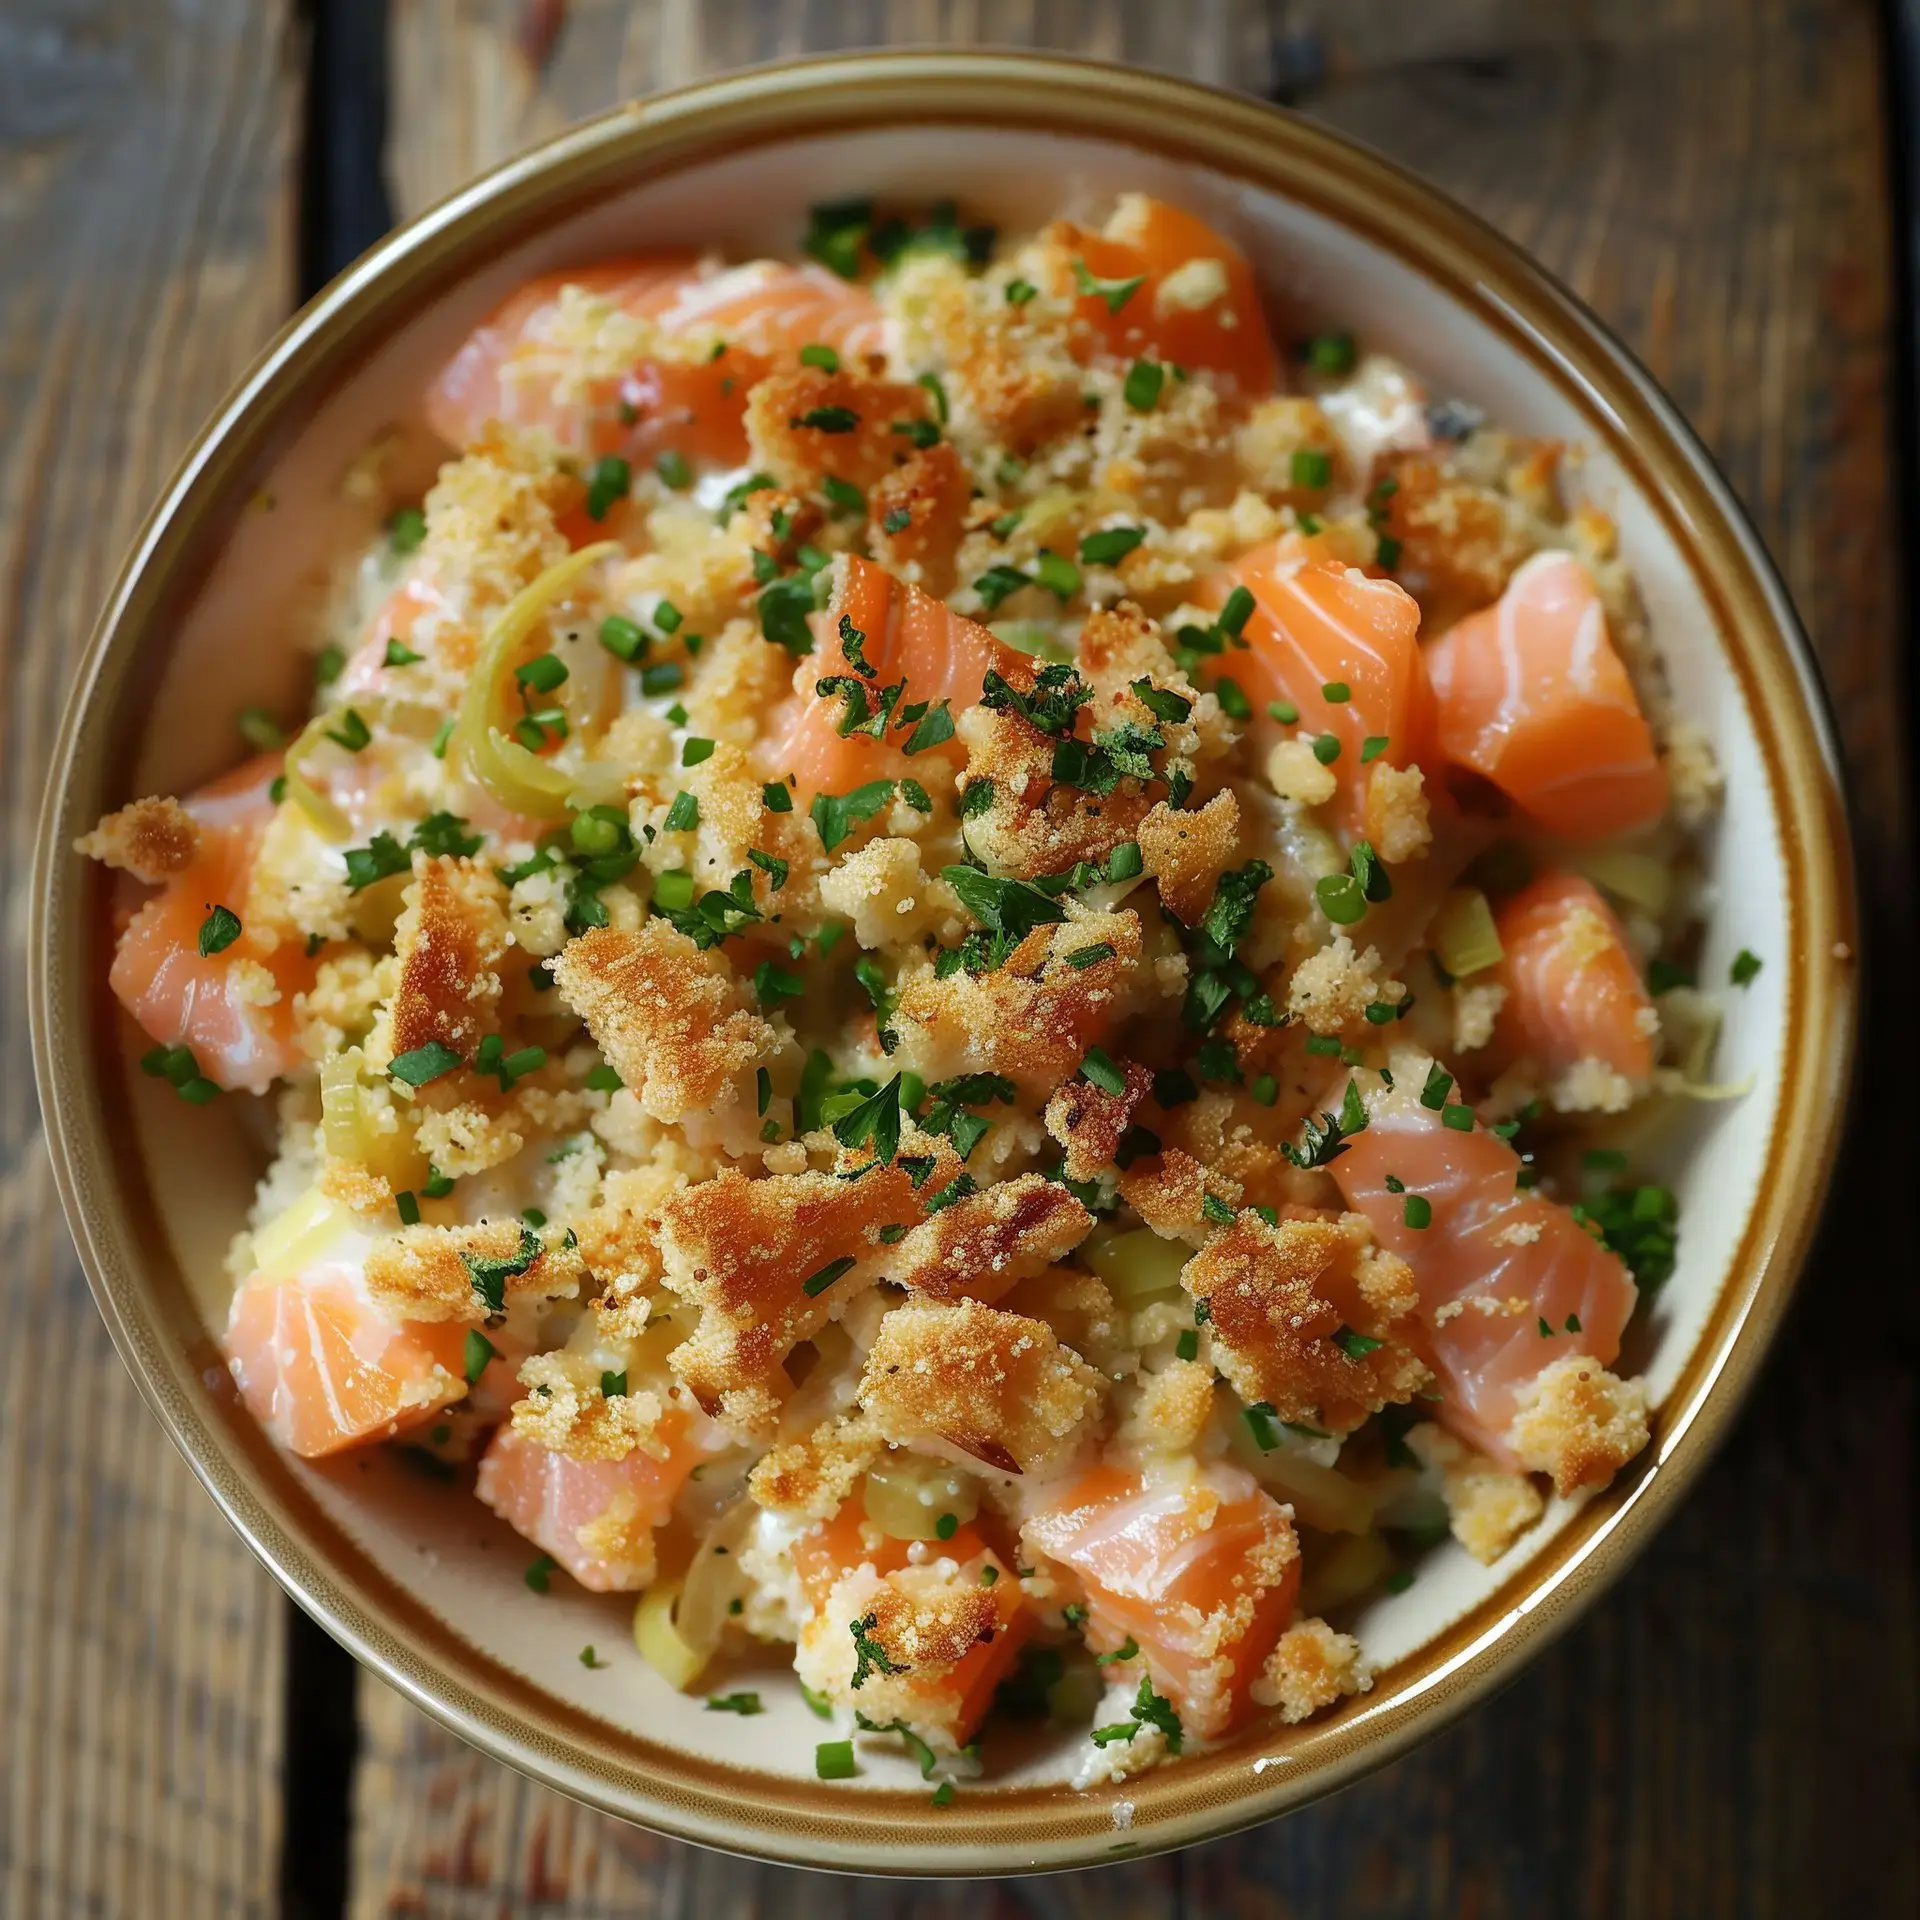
[[450, 939], [1031, 1019], [1170, 1410], [1090, 1122], [1488, 1507], [1285, 1304], [989, 1384], [1310, 1667], [1331, 990], [981, 1246], [152, 839], [813, 1478], [1398, 819], [1579, 1423], [568, 1411], [672, 1020], [808, 425], [890, 899], [1169, 1192], [1187, 851], [923, 1621], [745, 1252], [429, 1273], [916, 513]]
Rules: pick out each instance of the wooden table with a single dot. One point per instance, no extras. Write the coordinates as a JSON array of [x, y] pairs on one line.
[[1734, 1731]]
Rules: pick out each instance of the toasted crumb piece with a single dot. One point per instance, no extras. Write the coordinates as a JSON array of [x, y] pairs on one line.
[[931, 490], [1331, 990], [1476, 1006], [1294, 772], [1487, 1506], [152, 839], [805, 425], [422, 1273], [1031, 1019], [567, 1411], [1169, 1411], [883, 890], [450, 939], [1090, 1122], [1281, 1300], [918, 1625], [981, 1246], [1397, 817], [1579, 1423], [1187, 852], [355, 1186], [813, 1478], [1169, 1192], [1311, 1667], [1036, 824], [620, 1235], [1591, 1086], [672, 1020], [993, 1385], [468, 1138], [744, 1251]]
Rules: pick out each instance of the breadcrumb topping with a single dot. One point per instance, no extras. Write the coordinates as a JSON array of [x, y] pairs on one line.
[[672, 1020], [1579, 1423], [152, 839], [996, 1387]]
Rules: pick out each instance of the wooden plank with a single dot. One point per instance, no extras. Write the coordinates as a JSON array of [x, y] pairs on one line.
[[145, 222], [1711, 175]]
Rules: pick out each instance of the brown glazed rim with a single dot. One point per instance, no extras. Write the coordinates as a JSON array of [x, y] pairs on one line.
[[77, 1054]]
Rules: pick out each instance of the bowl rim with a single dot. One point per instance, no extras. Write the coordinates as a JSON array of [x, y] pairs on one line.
[[993, 1831]]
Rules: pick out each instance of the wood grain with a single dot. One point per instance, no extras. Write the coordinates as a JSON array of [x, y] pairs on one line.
[[1734, 1731], [144, 230]]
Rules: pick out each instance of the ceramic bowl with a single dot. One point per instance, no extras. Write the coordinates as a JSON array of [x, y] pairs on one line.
[[425, 1587]]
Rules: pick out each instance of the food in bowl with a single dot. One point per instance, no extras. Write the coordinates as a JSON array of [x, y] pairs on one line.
[[961, 967]]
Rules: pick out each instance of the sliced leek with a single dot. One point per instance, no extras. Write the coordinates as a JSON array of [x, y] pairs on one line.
[[1137, 1266], [713, 1580], [1637, 878], [519, 780], [302, 792], [1464, 937], [911, 1499], [660, 1642]]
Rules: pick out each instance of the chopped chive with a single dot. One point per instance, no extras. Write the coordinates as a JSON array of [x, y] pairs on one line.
[[1311, 467], [604, 1079], [674, 471], [1459, 1118], [477, 1352], [408, 1208], [260, 730], [421, 1064], [622, 638], [1110, 545], [406, 530], [683, 815], [1019, 292], [818, 1283], [1746, 964], [1419, 1210], [1100, 1071], [1284, 711], [694, 750], [777, 797], [1336, 693], [1330, 353], [817, 354], [539, 1575], [833, 1760], [1141, 389], [1326, 748], [1372, 747], [611, 482]]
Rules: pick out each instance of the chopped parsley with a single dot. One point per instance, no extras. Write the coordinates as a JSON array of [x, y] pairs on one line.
[[1114, 293], [218, 931], [869, 1656], [490, 1274]]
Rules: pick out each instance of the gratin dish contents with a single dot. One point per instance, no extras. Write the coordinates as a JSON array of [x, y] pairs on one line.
[[960, 968]]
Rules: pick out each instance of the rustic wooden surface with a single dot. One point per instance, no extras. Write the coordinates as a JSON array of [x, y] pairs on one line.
[[145, 233], [1734, 1731]]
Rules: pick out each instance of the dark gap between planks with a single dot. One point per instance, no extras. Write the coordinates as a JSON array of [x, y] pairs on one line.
[[343, 210]]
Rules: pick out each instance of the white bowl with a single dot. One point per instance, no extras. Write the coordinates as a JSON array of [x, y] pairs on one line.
[[423, 1584]]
